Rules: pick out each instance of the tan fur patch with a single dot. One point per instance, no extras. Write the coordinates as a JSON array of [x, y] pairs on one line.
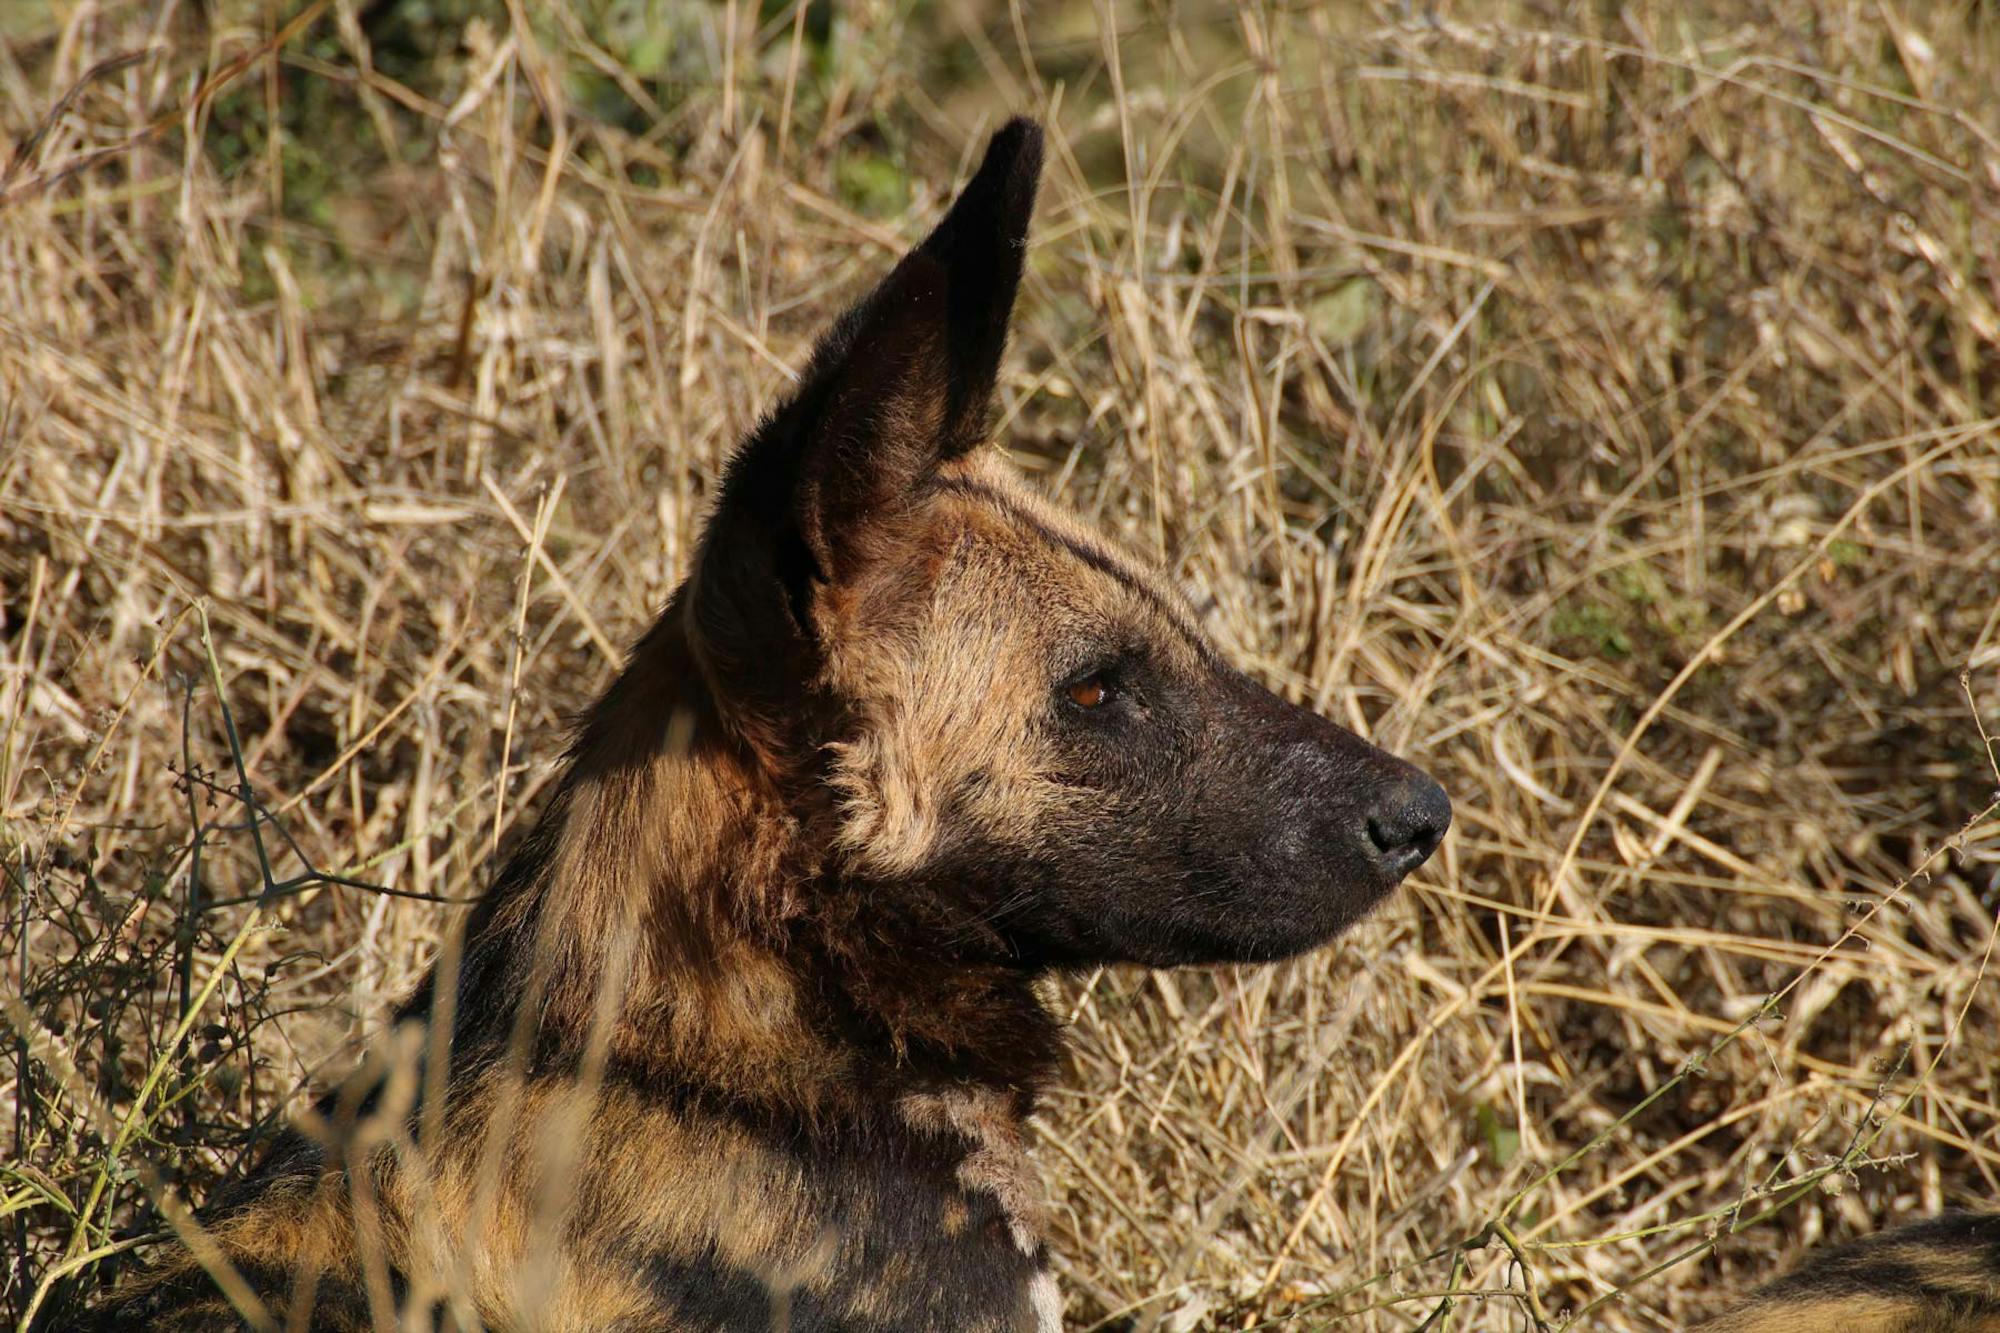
[[949, 676], [997, 1162]]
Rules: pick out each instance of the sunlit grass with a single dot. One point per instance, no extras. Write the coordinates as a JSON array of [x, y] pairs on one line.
[[1599, 409]]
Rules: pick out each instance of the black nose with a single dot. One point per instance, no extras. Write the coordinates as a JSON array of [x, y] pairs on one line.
[[1408, 823]]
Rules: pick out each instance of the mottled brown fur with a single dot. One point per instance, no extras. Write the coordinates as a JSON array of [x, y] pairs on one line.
[[1937, 1276]]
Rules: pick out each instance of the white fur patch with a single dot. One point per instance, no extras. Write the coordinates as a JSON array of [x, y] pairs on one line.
[[1047, 1302]]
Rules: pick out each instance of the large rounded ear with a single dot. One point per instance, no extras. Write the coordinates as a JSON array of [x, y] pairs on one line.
[[903, 381]]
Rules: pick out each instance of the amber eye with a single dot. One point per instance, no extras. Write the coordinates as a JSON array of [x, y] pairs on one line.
[[1090, 692]]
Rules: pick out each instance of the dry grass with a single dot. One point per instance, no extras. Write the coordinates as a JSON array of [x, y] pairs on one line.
[[1597, 406]]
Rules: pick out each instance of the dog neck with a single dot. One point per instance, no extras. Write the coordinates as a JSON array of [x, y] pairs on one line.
[[676, 913]]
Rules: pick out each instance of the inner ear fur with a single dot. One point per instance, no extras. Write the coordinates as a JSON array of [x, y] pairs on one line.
[[903, 381]]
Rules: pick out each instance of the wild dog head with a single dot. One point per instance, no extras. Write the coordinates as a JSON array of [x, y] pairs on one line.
[[1002, 719]]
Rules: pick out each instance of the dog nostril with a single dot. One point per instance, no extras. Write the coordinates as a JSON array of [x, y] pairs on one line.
[[1391, 839], [1407, 828]]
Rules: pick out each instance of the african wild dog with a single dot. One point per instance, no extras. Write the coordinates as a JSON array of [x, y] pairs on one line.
[[746, 1030], [745, 1033]]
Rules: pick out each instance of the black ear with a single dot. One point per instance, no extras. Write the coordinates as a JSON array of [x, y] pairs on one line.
[[905, 378], [902, 382]]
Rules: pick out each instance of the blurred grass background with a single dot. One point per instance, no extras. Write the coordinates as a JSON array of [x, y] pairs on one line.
[[1595, 402]]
